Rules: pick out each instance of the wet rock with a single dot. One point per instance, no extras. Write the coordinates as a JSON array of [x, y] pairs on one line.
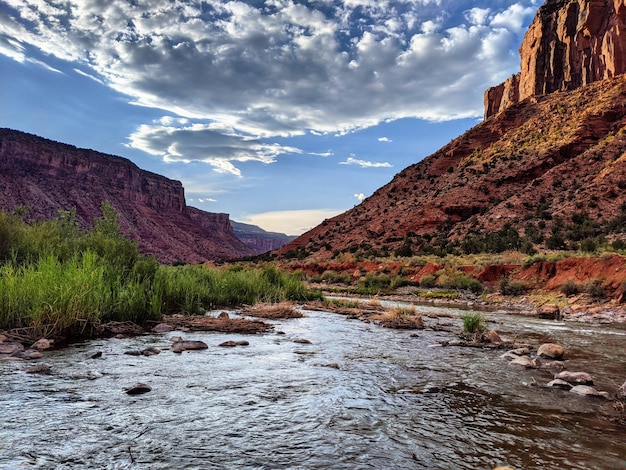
[[42, 344], [509, 356], [11, 358], [549, 312], [587, 391], [223, 315], [302, 341], [333, 365], [138, 389], [231, 344], [280, 332], [3, 339], [39, 369], [181, 346], [151, 351], [163, 328], [133, 353], [575, 378], [553, 365], [492, 336], [11, 348], [176, 339], [525, 361], [96, 355], [551, 351], [31, 354], [558, 383], [520, 351]]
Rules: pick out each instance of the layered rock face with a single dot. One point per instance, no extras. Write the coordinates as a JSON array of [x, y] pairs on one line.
[[48, 176], [570, 43]]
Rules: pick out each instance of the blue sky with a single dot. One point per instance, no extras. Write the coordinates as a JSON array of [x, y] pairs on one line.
[[280, 113]]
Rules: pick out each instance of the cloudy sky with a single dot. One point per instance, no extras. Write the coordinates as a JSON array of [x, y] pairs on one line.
[[279, 112]]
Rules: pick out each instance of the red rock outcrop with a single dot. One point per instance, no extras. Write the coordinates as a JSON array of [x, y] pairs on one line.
[[48, 176], [570, 43]]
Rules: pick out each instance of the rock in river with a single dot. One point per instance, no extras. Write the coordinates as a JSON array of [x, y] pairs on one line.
[[551, 351], [587, 391], [11, 348], [526, 361], [42, 344], [138, 389], [558, 383], [231, 344], [575, 378], [181, 346]]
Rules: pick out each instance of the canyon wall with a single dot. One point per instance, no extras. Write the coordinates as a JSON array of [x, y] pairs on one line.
[[569, 44], [48, 176]]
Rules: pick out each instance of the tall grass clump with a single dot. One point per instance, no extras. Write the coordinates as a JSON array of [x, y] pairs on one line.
[[473, 323]]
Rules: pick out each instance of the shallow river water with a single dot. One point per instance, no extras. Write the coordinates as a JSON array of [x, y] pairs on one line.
[[394, 401]]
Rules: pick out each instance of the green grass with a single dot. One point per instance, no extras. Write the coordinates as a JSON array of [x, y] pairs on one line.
[[62, 281], [473, 323]]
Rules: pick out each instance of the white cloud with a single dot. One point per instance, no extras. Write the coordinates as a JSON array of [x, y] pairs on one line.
[[258, 70], [384, 139], [360, 197], [365, 164], [291, 222], [180, 140]]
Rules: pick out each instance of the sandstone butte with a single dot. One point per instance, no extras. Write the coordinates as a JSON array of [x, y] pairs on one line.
[[47, 176], [552, 144]]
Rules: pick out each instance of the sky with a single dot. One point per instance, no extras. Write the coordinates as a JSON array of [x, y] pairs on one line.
[[281, 113]]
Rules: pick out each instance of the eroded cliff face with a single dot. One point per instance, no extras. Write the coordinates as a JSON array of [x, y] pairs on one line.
[[569, 44], [48, 176]]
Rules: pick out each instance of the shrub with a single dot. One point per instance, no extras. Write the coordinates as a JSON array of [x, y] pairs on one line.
[[595, 289], [473, 323], [508, 287], [428, 281], [570, 288], [588, 245], [451, 279]]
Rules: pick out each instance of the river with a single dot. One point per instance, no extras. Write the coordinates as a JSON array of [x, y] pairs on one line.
[[358, 397]]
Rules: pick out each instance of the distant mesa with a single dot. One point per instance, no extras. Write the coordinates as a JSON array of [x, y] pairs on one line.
[[48, 176], [259, 240]]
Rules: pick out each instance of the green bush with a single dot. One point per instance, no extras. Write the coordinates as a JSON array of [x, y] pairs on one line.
[[595, 289], [451, 279], [508, 287], [473, 323], [569, 288]]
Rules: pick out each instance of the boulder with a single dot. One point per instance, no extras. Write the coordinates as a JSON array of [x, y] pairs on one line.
[[3, 339], [223, 315], [562, 384], [302, 341], [549, 311], [575, 378], [553, 365], [551, 351], [133, 353], [176, 339], [525, 361], [39, 369], [163, 328], [587, 391], [621, 392], [492, 336], [138, 389], [231, 344], [31, 354], [151, 351], [11, 348], [181, 346], [42, 344]]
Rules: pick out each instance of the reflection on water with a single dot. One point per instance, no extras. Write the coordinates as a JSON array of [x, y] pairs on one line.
[[394, 402]]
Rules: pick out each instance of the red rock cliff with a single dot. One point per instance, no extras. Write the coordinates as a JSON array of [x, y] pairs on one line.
[[49, 176], [570, 43]]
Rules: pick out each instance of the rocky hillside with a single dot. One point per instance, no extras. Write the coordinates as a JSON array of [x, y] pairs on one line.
[[259, 240], [48, 176], [546, 170]]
